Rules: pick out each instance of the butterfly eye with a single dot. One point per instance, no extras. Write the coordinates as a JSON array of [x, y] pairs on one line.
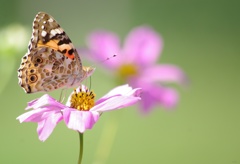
[[38, 60], [33, 78]]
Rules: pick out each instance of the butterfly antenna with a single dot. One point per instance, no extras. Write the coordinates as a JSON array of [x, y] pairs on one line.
[[108, 58], [90, 78], [102, 61]]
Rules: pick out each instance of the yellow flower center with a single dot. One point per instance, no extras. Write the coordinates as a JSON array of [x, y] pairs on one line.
[[127, 70], [83, 100]]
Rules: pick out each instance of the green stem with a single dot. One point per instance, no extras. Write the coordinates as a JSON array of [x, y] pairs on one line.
[[81, 148], [107, 138]]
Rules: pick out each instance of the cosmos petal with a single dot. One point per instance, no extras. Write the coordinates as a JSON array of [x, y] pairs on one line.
[[33, 115], [80, 120], [120, 90], [118, 101], [115, 103], [157, 95], [143, 46], [102, 45], [46, 126], [45, 100], [164, 73]]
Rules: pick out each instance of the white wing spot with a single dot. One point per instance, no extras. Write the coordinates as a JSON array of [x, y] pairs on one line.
[[53, 32], [58, 30], [50, 20], [44, 33], [43, 26], [44, 22]]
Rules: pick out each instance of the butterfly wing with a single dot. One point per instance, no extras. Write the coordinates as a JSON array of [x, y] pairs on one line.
[[52, 61]]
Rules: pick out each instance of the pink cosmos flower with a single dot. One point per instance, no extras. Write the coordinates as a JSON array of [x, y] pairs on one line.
[[80, 112], [135, 63]]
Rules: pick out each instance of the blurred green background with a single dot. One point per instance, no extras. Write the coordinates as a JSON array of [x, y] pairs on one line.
[[202, 37]]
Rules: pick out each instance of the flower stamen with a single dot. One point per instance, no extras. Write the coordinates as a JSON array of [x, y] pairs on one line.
[[82, 100], [127, 70]]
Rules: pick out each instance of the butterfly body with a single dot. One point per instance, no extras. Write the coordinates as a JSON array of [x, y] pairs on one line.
[[51, 62]]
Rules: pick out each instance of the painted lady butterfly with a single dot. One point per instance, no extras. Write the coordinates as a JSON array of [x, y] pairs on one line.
[[51, 62]]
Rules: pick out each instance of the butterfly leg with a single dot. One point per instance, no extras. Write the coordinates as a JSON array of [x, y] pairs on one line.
[[61, 99]]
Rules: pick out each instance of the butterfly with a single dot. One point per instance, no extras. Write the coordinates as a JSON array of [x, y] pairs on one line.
[[51, 61]]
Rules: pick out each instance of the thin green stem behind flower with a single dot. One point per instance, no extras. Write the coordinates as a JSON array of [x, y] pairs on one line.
[[81, 148], [107, 139]]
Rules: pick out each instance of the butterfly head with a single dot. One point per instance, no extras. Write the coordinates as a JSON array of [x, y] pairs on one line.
[[87, 72]]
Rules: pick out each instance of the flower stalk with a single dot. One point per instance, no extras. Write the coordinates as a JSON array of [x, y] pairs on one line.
[[81, 148]]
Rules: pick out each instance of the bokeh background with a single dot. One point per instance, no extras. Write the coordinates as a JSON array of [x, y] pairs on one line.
[[200, 36]]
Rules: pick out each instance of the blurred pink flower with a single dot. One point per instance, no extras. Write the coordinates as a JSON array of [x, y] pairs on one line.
[[135, 63], [80, 112]]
